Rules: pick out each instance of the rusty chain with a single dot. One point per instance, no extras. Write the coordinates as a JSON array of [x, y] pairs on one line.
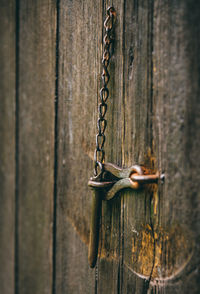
[[99, 154]]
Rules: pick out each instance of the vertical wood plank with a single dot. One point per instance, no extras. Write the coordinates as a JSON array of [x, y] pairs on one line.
[[150, 249], [37, 45], [129, 140], [7, 146], [141, 232], [176, 96], [79, 40], [110, 262], [137, 143]]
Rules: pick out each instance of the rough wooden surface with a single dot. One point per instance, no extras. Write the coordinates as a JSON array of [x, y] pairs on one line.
[[144, 245], [137, 144], [36, 97], [149, 239], [177, 108], [7, 146], [77, 90]]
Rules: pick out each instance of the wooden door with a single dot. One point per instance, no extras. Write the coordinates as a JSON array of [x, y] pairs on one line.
[[50, 82]]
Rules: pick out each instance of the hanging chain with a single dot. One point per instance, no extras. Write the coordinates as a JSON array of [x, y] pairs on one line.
[[99, 154]]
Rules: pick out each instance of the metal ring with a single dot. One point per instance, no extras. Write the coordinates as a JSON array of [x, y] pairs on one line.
[[101, 125], [102, 110], [100, 142], [100, 165], [104, 94]]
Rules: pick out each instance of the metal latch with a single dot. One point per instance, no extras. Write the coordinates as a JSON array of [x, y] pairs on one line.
[[106, 185]]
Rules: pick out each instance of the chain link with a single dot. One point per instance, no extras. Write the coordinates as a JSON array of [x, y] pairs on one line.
[[99, 154]]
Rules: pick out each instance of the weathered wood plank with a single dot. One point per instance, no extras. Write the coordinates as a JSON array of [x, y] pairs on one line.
[[37, 46], [138, 234], [149, 240], [130, 139], [110, 263], [155, 243], [7, 146], [137, 143], [79, 41], [176, 74]]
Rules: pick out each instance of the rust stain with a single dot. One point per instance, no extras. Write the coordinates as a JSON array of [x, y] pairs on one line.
[[158, 252], [155, 202], [163, 250], [150, 160], [142, 251], [161, 253]]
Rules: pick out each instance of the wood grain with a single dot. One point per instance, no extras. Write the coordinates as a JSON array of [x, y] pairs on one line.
[[79, 41], [135, 237], [37, 45], [177, 109], [149, 239], [147, 112], [157, 236], [7, 146], [138, 142]]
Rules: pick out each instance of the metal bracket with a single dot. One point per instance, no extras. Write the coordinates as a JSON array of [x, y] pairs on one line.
[[132, 177]]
